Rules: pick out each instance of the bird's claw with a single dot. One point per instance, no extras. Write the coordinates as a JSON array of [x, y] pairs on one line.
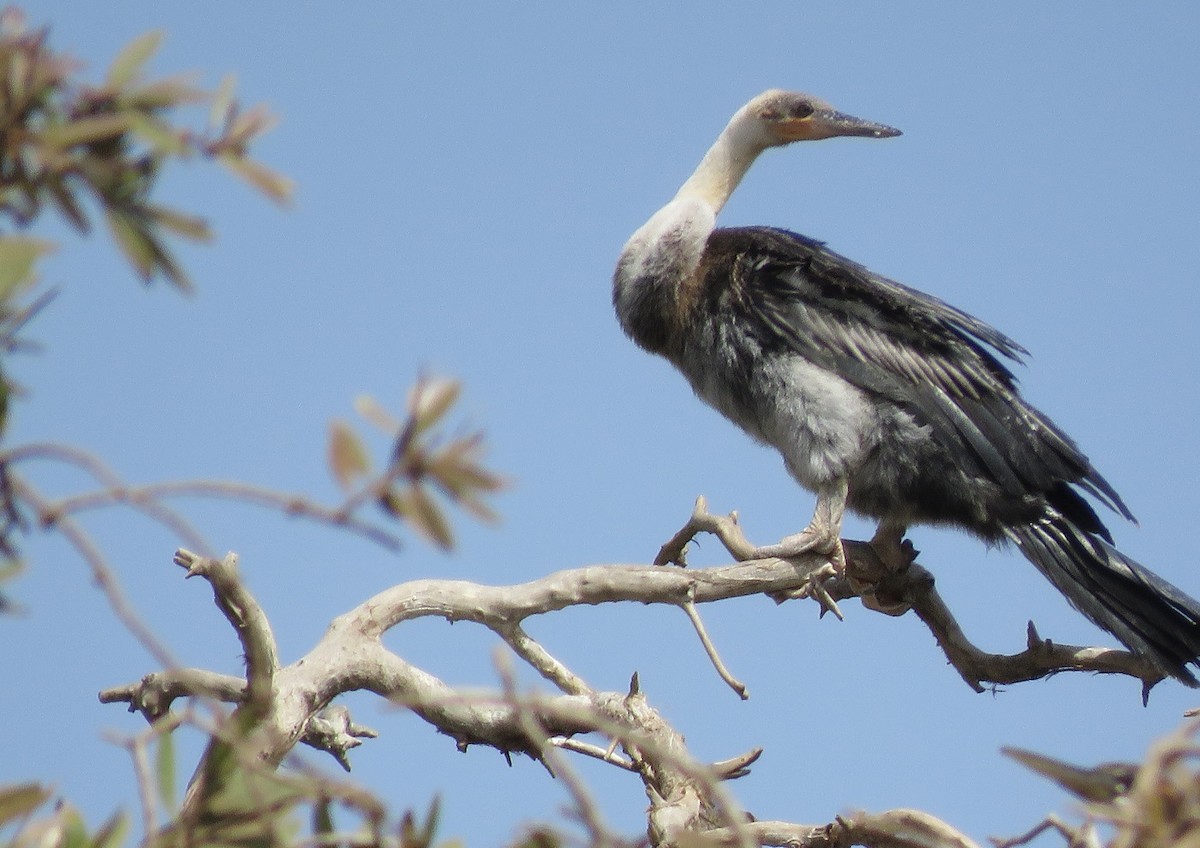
[[808, 541], [814, 587], [878, 576]]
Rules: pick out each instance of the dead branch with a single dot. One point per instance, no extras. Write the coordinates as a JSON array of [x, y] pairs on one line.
[[333, 731], [899, 829], [247, 618], [890, 829], [685, 796], [150, 498], [883, 574], [1081, 836], [153, 695], [350, 655], [102, 574]]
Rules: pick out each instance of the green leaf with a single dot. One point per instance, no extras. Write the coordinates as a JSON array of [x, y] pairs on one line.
[[478, 508], [169, 268], [348, 458], [17, 257], [143, 249], [112, 833], [394, 503], [273, 185], [431, 820], [165, 768], [430, 400], [219, 765], [164, 140], [322, 818], [20, 799], [163, 94], [131, 237], [76, 835], [248, 125], [130, 60], [10, 568], [414, 835], [88, 130], [188, 226], [373, 412], [251, 808], [222, 102], [67, 204], [427, 519]]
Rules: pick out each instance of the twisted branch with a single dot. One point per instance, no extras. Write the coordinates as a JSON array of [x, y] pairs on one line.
[[686, 796]]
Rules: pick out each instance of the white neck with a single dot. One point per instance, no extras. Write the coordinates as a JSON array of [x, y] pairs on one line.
[[725, 163], [661, 257]]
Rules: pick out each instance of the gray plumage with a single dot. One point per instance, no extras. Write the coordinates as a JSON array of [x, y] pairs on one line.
[[879, 398]]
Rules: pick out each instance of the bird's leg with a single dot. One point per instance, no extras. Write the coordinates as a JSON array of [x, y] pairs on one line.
[[822, 535], [896, 552], [879, 580]]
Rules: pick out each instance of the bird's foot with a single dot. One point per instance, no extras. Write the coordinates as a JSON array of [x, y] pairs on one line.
[[813, 539], [878, 577], [822, 537], [815, 587], [893, 550]]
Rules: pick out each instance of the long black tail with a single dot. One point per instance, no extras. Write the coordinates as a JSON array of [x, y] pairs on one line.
[[1151, 617]]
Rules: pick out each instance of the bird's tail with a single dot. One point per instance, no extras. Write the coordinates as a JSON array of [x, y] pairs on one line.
[[1151, 617]]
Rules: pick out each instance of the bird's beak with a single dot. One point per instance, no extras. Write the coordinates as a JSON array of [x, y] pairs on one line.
[[826, 123]]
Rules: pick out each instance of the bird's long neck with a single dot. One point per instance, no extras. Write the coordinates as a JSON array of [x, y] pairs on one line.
[[672, 241], [655, 279], [723, 166]]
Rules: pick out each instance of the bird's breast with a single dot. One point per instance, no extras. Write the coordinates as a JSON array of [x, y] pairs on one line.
[[822, 425]]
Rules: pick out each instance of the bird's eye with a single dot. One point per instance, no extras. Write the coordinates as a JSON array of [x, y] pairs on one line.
[[801, 109], [787, 110]]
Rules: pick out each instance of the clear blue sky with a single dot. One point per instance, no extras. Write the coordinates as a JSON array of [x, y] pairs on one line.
[[467, 174]]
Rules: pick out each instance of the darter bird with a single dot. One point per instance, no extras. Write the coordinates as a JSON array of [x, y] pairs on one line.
[[881, 399]]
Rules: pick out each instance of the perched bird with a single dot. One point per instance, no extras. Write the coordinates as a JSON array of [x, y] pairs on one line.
[[880, 399]]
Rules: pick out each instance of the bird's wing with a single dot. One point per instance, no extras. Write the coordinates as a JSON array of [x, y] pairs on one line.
[[905, 346]]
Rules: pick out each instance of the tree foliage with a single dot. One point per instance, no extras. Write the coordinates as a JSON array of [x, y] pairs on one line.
[[87, 150]]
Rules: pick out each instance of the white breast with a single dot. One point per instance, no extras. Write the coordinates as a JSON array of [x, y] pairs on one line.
[[822, 425]]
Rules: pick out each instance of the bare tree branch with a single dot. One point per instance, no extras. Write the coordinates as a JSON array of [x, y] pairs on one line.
[[350, 655], [153, 695], [149, 498], [588, 811], [686, 796], [103, 576], [332, 730], [247, 617], [899, 829], [1083, 836], [710, 649], [883, 574]]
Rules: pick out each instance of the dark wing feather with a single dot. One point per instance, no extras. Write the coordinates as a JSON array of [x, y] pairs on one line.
[[910, 348]]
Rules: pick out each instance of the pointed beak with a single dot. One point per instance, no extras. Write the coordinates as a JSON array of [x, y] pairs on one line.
[[839, 123], [827, 123]]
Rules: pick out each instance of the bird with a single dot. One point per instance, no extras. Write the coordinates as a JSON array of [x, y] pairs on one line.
[[880, 399]]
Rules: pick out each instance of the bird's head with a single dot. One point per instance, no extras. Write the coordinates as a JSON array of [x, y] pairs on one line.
[[781, 117]]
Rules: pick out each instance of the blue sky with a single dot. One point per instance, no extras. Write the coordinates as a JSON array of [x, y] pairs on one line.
[[466, 177]]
